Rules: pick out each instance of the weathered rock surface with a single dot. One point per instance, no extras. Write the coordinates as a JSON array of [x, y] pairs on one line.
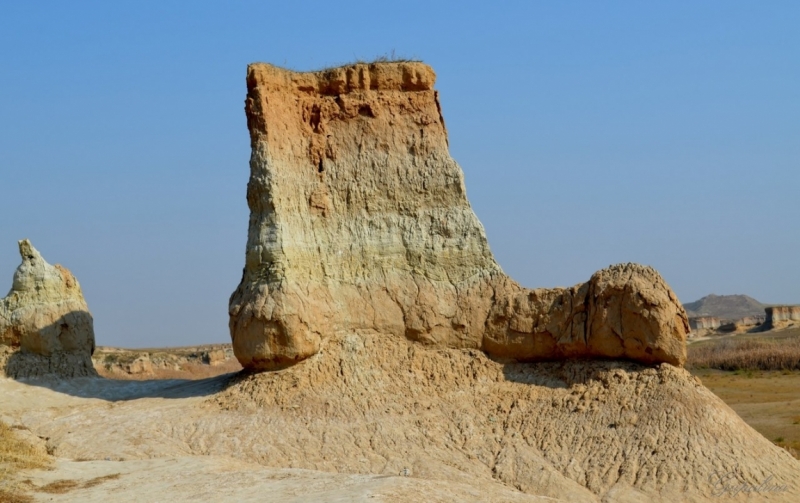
[[781, 316], [45, 325], [360, 221], [704, 322], [165, 363], [746, 323], [376, 405]]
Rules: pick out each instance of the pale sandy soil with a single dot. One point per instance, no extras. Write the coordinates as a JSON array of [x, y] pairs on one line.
[[172, 472], [380, 419], [217, 478]]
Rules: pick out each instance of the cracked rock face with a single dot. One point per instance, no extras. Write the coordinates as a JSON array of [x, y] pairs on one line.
[[45, 325], [360, 221]]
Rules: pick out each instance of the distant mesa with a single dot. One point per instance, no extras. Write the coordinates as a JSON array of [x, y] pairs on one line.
[[45, 325], [725, 307], [359, 222], [704, 323]]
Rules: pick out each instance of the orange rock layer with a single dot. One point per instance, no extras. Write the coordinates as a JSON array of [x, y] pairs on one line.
[[360, 222]]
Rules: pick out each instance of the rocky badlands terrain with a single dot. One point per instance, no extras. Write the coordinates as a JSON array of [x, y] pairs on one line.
[[387, 356], [165, 363], [725, 314]]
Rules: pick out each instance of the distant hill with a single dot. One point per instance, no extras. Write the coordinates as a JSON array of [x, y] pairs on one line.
[[728, 307]]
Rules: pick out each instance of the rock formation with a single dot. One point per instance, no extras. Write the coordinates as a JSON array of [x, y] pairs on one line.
[[360, 221], [781, 316], [746, 323], [704, 322], [165, 363], [45, 325]]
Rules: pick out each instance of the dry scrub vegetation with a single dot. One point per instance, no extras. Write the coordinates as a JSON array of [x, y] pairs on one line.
[[747, 353], [65, 485], [757, 375], [16, 454], [768, 400]]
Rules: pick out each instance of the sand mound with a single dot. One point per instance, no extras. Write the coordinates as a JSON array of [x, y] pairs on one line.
[[378, 416], [579, 430]]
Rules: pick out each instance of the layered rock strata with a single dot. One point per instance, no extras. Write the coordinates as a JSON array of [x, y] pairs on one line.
[[45, 325], [704, 323], [360, 221], [780, 316], [748, 322]]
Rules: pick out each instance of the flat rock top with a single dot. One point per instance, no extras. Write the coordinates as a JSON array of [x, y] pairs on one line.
[[388, 76]]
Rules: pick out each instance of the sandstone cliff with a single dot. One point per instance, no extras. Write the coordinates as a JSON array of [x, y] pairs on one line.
[[45, 325], [704, 322], [360, 221], [781, 316], [746, 323]]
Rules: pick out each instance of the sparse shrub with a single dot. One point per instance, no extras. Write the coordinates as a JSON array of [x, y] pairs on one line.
[[15, 455], [59, 486]]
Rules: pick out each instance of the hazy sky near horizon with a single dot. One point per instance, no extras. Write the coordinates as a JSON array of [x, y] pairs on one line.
[[590, 133]]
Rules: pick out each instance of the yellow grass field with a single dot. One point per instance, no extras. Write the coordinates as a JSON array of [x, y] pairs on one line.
[[756, 374]]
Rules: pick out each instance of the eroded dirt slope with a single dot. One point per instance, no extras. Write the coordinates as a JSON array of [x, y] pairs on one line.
[[447, 420]]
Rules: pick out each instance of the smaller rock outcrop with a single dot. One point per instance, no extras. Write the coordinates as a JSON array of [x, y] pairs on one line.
[[165, 363], [704, 323], [45, 325], [781, 316], [742, 324]]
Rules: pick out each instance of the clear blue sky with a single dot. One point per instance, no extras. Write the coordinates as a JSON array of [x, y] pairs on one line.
[[591, 133]]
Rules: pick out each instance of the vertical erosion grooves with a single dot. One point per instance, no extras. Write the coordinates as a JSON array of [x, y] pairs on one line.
[[360, 221]]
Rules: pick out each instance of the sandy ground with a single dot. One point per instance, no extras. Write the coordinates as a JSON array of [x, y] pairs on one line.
[[216, 478], [171, 478], [379, 419]]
